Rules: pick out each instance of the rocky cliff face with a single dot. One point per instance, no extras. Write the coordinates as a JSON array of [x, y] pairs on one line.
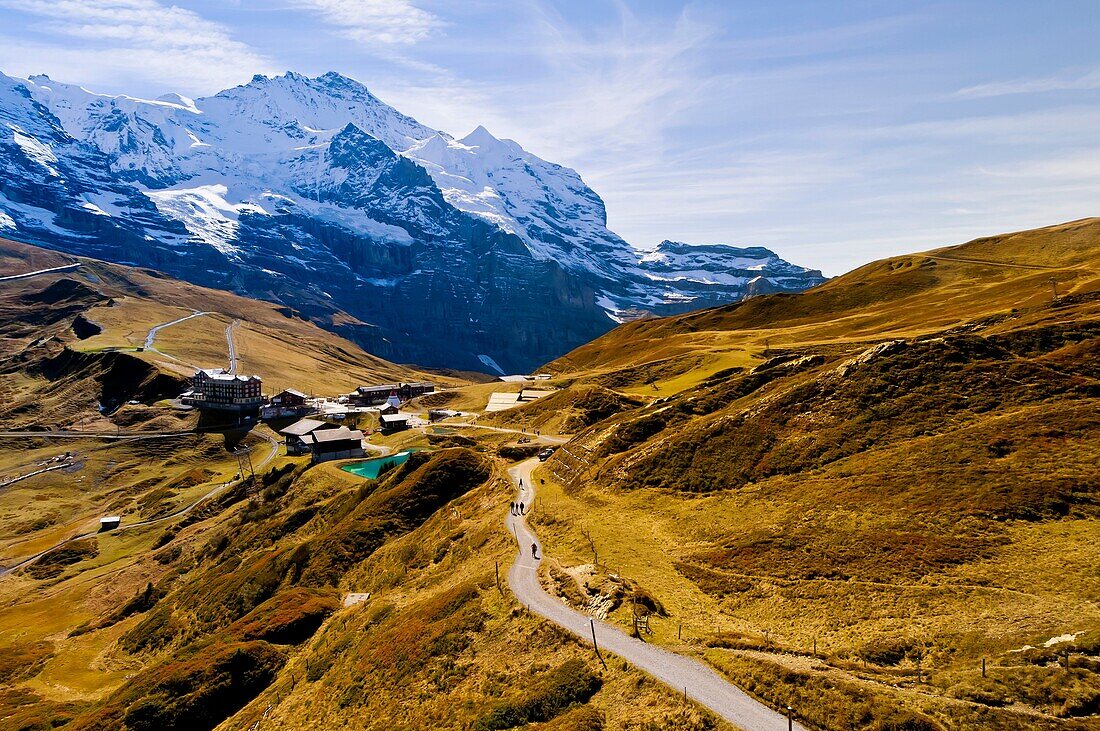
[[314, 193]]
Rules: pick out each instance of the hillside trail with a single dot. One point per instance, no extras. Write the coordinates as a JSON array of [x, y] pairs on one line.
[[231, 348], [40, 272], [150, 339], [684, 675]]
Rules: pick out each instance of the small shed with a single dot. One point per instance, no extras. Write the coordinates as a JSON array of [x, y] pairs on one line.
[[340, 443], [394, 422], [296, 433], [289, 398], [109, 522]]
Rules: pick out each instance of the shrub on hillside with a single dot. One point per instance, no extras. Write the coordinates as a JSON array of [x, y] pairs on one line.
[[145, 600], [572, 682], [158, 629], [444, 441], [580, 718], [517, 452], [629, 433], [200, 691], [405, 643], [288, 618], [403, 502], [595, 404], [23, 660], [24, 710], [54, 562]]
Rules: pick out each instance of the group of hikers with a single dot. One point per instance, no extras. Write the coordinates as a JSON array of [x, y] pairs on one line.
[[519, 509]]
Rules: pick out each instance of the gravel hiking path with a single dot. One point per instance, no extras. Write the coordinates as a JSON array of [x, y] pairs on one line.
[[701, 683]]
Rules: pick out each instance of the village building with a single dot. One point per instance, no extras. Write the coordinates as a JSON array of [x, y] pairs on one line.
[[394, 423], [296, 433], [410, 391], [289, 398], [377, 395], [214, 388], [286, 404], [372, 395], [329, 444]]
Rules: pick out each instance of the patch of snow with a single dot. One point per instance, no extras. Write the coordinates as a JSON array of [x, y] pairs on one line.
[[35, 150], [31, 217], [206, 213], [491, 363]]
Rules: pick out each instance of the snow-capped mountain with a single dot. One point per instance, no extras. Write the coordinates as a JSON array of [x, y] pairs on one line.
[[313, 192]]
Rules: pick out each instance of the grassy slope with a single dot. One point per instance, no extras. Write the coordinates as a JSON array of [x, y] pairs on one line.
[[181, 623], [239, 589], [899, 297], [242, 618], [271, 342], [936, 501]]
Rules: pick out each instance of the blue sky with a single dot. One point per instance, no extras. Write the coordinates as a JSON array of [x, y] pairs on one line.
[[831, 132]]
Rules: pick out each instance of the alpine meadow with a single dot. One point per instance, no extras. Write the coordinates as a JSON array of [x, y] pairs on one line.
[[317, 415]]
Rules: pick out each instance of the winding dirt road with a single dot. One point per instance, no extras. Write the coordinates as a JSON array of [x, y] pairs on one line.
[[683, 674]]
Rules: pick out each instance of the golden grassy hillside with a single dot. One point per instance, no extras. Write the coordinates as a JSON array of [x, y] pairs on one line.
[[901, 297], [848, 498], [123, 303], [238, 613]]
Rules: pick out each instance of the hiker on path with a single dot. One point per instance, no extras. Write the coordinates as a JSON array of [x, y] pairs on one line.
[[521, 509], [512, 507], [534, 550]]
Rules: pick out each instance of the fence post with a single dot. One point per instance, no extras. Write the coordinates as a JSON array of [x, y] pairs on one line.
[[596, 647]]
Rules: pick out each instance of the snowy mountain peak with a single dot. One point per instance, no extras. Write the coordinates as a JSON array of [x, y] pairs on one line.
[[313, 190], [178, 100], [480, 137]]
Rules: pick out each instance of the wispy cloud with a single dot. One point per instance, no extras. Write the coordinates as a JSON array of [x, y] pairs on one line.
[[587, 94], [391, 22], [113, 42], [1040, 85]]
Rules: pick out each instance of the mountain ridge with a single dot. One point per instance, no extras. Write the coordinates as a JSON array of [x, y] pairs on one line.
[[315, 193]]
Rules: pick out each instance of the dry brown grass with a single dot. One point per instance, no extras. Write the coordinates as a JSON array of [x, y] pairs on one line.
[[932, 500]]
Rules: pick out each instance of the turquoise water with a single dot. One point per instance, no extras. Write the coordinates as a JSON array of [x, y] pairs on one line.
[[369, 468]]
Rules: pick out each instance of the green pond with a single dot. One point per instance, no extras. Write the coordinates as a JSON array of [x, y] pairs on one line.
[[369, 468]]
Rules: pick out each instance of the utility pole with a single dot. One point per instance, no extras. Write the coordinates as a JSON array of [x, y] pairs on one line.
[[1053, 289], [244, 456]]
